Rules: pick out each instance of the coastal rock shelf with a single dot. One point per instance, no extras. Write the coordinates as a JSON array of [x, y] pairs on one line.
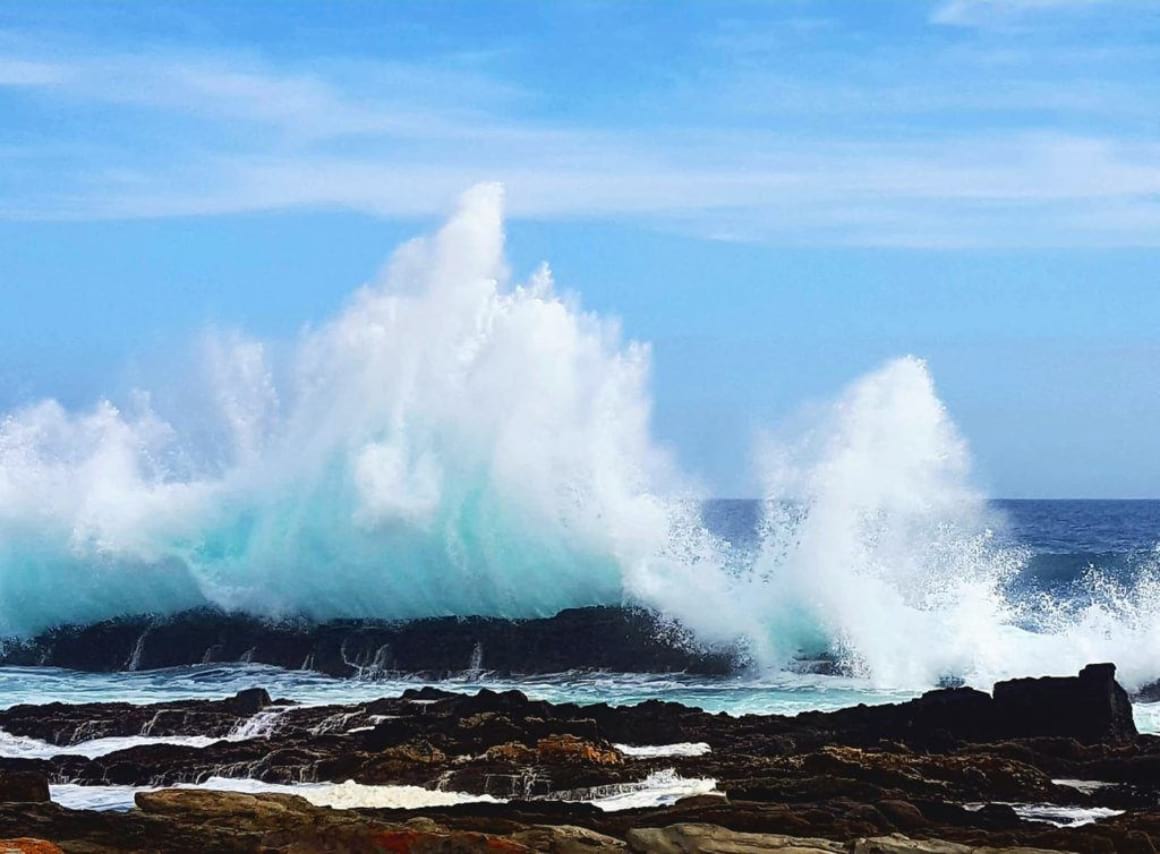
[[958, 765]]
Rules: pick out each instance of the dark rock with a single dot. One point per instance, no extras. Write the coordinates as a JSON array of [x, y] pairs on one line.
[[903, 815], [622, 639], [23, 786], [1090, 708], [844, 776], [247, 702], [65, 723]]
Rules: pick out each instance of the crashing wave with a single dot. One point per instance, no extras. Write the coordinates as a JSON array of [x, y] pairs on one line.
[[452, 443]]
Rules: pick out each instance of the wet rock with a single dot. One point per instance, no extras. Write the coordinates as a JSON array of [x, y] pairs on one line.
[[23, 786], [247, 702], [845, 778], [1090, 708], [66, 724], [623, 639]]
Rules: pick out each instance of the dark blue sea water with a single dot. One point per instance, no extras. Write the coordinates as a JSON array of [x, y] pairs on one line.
[[1083, 527], [1071, 538], [1072, 529], [1064, 539]]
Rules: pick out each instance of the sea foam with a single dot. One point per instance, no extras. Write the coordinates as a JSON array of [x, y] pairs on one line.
[[452, 442]]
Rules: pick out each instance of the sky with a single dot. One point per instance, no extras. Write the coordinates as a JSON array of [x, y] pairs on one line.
[[778, 195]]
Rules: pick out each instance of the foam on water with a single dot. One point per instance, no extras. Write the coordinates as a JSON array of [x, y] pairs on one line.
[[1086, 786], [1057, 815], [661, 788], [654, 751], [33, 748], [1064, 816], [348, 795], [658, 789], [261, 725], [452, 442]]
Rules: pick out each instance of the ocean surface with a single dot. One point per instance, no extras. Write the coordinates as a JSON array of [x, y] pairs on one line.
[[1064, 546]]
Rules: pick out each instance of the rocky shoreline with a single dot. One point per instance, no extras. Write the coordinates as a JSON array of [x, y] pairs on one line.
[[974, 770]]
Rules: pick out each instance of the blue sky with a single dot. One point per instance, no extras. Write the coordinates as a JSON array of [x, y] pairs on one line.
[[778, 195]]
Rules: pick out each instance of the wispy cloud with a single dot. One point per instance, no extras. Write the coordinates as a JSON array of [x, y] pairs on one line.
[[188, 134], [25, 73], [974, 13]]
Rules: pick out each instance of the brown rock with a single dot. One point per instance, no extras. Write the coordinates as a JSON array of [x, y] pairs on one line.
[[902, 814], [233, 807], [425, 825], [566, 839], [418, 753], [407, 841], [568, 748], [511, 751], [980, 775], [898, 844], [710, 839], [23, 786]]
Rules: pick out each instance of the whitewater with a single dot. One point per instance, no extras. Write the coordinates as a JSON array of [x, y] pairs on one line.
[[455, 442]]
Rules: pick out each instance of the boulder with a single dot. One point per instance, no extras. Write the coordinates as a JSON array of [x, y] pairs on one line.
[[1090, 708], [247, 702]]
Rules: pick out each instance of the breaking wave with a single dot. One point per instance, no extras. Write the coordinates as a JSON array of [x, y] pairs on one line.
[[453, 443]]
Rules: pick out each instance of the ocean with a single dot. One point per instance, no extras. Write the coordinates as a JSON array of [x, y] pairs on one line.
[[1076, 558]]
